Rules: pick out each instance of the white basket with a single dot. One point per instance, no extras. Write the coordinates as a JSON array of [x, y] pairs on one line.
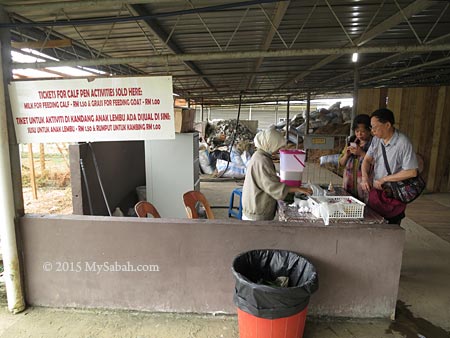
[[353, 208]]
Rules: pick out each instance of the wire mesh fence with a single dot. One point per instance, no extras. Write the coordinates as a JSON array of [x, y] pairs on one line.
[[322, 164]]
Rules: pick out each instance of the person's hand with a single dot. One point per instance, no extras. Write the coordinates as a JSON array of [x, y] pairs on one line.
[[357, 151], [307, 191], [365, 184], [377, 184]]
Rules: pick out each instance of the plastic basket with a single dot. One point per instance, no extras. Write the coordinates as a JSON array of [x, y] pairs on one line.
[[353, 208]]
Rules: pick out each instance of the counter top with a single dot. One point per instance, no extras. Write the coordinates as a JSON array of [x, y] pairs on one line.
[[287, 213]]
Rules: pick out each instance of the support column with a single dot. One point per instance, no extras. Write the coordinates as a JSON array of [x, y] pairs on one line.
[[308, 111], [355, 94], [10, 181], [202, 111], [276, 113], [287, 118]]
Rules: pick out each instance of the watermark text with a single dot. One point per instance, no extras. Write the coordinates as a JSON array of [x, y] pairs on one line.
[[97, 267]]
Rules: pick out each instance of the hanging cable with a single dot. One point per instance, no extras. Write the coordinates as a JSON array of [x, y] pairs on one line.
[[86, 185], [237, 122], [99, 179]]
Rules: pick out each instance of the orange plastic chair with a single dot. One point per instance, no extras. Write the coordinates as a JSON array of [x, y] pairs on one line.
[[143, 208], [191, 198]]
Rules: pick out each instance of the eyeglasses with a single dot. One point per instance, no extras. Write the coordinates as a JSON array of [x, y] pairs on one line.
[[375, 127]]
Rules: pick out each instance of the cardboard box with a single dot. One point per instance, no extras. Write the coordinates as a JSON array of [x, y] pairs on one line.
[[201, 128], [184, 120]]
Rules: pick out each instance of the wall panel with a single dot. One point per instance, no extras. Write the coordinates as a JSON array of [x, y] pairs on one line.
[[194, 259], [370, 100]]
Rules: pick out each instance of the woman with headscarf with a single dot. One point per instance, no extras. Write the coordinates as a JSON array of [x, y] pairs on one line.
[[262, 187]]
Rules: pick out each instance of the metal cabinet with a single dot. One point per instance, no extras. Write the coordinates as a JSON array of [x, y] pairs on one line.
[[172, 168]]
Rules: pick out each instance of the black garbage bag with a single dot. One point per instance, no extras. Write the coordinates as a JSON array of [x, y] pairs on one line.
[[253, 269]]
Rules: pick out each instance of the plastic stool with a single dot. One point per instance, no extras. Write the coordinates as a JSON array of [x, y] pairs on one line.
[[231, 211]]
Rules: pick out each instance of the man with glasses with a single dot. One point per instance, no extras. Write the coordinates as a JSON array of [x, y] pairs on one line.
[[400, 155]]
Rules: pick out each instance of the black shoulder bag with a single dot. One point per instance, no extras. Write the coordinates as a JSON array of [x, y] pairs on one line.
[[405, 191]]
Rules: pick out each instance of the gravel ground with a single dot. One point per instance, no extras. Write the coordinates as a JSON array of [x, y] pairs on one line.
[[49, 201]]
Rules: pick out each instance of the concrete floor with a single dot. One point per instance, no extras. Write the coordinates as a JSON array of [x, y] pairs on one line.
[[423, 308]]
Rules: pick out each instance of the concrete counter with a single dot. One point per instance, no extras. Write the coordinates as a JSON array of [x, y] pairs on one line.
[[185, 265]]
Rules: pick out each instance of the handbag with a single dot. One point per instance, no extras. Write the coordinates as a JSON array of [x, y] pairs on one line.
[[384, 205], [405, 191]]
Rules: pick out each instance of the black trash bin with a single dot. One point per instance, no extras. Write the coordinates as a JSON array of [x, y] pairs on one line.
[[262, 304]]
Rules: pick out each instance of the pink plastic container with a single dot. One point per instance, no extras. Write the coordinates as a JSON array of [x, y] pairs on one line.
[[292, 163]]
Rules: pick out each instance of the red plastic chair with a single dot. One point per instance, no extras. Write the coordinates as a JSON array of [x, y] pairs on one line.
[[143, 208], [191, 198]]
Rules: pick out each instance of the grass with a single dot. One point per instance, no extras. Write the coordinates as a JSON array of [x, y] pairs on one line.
[[56, 173]]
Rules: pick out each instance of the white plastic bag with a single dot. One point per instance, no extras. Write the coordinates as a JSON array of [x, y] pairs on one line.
[[234, 170], [236, 158], [246, 157], [327, 209], [204, 162]]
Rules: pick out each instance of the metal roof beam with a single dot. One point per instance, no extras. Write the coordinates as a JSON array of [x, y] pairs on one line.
[[206, 26], [442, 37], [304, 24], [42, 44], [370, 65], [339, 22], [260, 73], [414, 8], [80, 4], [410, 10], [109, 19], [164, 37], [275, 23], [436, 22], [78, 50], [406, 70], [164, 59]]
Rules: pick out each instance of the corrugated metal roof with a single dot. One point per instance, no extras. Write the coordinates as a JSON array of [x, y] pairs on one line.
[[124, 29]]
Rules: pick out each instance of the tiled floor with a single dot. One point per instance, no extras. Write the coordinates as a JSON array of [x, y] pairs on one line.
[[432, 211]]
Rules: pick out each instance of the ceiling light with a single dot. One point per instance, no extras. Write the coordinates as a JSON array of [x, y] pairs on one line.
[[355, 57]]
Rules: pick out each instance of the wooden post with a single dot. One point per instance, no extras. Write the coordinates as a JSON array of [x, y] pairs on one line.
[[32, 173], [63, 156], [42, 157]]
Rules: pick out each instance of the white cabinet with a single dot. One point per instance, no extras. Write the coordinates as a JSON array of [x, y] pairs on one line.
[[172, 168]]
